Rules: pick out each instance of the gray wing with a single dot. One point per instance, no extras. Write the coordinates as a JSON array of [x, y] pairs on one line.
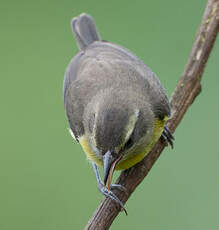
[[71, 73], [74, 107]]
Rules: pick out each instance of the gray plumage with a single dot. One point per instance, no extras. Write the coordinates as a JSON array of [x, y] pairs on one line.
[[104, 84], [85, 30]]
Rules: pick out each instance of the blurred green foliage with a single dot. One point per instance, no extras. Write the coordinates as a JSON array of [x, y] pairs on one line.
[[46, 182]]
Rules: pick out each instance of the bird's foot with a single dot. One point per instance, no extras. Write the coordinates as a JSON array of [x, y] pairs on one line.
[[167, 136], [119, 187], [111, 195]]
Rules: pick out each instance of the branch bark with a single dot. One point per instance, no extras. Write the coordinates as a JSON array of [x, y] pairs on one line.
[[187, 89]]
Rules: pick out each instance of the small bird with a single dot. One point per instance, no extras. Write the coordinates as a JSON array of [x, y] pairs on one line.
[[115, 105]]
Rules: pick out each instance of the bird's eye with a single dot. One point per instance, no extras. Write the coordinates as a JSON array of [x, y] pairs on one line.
[[129, 143]]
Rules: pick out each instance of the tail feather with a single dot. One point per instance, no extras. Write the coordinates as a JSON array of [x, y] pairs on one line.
[[85, 30]]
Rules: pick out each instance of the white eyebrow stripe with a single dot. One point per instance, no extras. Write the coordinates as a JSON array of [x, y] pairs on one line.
[[137, 113], [131, 125]]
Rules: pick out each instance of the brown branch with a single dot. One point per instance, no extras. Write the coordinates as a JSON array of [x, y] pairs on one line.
[[187, 89]]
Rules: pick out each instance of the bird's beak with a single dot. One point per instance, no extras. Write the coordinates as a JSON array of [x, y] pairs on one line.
[[109, 164]]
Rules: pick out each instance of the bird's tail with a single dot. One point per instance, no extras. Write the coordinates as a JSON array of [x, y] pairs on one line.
[[85, 30]]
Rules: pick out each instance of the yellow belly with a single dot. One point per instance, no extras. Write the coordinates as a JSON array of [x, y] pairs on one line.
[[132, 159]]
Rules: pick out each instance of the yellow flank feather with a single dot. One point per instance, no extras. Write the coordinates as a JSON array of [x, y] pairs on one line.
[[133, 158], [89, 152]]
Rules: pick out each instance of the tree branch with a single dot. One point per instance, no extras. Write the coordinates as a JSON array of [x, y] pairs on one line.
[[187, 89]]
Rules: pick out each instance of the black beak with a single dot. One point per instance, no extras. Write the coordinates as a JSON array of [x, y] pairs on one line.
[[109, 163]]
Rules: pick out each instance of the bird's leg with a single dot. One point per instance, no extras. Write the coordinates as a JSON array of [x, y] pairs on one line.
[[100, 183], [167, 136], [107, 192]]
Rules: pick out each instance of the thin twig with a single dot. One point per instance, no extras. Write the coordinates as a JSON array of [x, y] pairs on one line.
[[187, 89]]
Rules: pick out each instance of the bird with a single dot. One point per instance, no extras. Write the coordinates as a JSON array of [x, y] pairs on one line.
[[115, 105]]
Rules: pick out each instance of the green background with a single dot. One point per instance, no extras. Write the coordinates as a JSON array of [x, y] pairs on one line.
[[46, 182]]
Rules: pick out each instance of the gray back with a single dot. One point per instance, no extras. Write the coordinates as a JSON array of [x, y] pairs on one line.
[[103, 66]]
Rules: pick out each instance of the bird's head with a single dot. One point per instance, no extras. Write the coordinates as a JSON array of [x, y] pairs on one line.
[[117, 127]]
